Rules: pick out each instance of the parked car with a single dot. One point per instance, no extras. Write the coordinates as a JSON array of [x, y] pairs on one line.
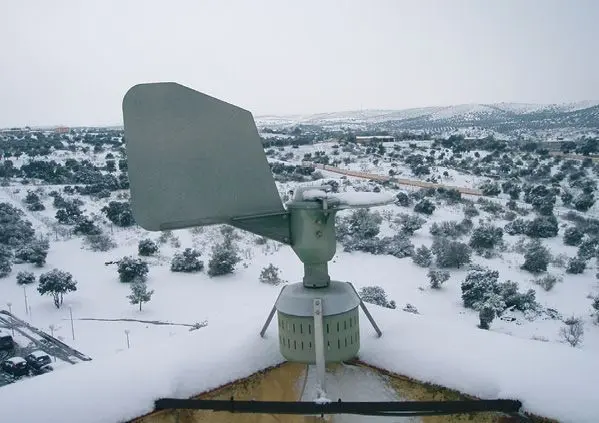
[[15, 366], [6, 341], [39, 362]]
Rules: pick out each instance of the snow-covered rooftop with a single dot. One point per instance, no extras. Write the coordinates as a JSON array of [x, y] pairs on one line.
[[552, 380]]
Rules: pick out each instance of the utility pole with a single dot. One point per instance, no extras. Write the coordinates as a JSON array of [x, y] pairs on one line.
[[72, 326], [127, 335], [26, 305]]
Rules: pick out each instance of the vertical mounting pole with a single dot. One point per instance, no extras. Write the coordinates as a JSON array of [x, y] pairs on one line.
[[26, 305], [72, 325], [319, 343]]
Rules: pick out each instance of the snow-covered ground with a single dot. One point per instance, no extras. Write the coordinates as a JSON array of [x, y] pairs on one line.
[[523, 359]]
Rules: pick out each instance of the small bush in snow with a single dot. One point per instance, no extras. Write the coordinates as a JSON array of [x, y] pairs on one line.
[[423, 256], [376, 295], [139, 293], [486, 237], [34, 252], [147, 247], [410, 223], [25, 278], [573, 236], [478, 286], [449, 229], [403, 199], [492, 306], [398, 245], [409, 308], [576, 265], [360, 224], [425, 206], [588, 249], [536, 257], [223, 260], [583, 202], [56, 283], [573, 331], [130, 269], [595, 305], [450, 253], [547, 282], [490, 189], [101, 242], [270, 275], [542, 227], [470, 210], [86, 226], [516, 300], [5, 261], [437, 278], [119, 213], [187, 261]]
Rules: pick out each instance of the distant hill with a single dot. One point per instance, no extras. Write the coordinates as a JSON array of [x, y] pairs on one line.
[[500, 117]]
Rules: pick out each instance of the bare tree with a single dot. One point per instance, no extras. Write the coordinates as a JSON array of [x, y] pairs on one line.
[[573, 331]]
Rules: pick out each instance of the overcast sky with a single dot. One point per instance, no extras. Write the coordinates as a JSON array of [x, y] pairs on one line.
[[71, 62]]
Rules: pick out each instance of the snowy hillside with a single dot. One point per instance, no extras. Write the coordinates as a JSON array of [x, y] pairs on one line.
[[505, 117], [509, 311]]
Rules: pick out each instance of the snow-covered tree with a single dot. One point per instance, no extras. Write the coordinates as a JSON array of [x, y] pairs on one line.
[[147, 247], [119, 213], [513, 298], [573, 331], [86, 226], [486, 237], [6, 258], [398, 245], [270, 275], [223, 260], [425, 206], [536, 257], [595, 305], [478, 285], [423, 256], [450, 229], [376, 295], [450, 253], [130, 268], [410, 223], [100, 242], [470, 210], [583, 202], [437, 277], [14, 230], [547, 282], [187, 261], [588, 249], [360, 224], [35, 252], [573, 236], [56, 283], [543, 227], [490, 189], [140, 293], [491, 306], [576, 265], [25, 278], [403, 199]]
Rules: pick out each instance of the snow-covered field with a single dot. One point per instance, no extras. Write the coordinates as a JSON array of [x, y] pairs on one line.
[[522, 359]]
